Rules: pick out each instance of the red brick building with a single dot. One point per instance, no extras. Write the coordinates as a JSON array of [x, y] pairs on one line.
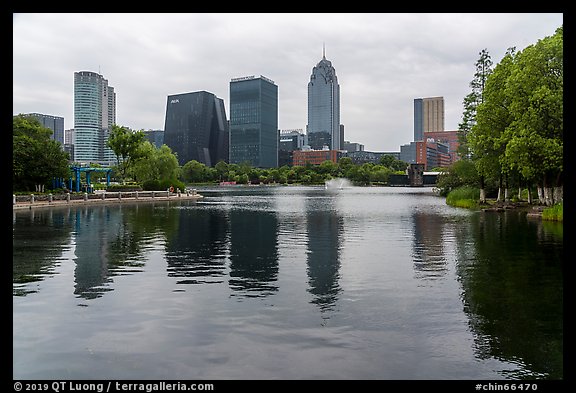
[[449, 138], [314, 157]]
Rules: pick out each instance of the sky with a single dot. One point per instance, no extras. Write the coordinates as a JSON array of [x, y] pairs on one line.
[[383, 61]]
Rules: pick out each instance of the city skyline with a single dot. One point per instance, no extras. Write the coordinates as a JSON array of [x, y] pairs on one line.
[[384, 61]]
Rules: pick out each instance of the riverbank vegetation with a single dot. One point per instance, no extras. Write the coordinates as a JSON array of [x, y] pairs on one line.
[[139, 163], [511, 135]]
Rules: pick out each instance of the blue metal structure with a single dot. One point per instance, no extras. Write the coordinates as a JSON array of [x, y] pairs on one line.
[[78, 169]]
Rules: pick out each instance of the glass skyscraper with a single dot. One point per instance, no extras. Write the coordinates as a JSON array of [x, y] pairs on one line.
[[55, 123], [324, 107], [94, 115], [254, 121], [196, 127]]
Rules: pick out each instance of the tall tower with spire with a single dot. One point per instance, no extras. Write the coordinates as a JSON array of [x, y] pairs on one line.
[[323, 127]]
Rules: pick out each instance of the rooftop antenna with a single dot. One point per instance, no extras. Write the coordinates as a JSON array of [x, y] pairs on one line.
[[323, 51]]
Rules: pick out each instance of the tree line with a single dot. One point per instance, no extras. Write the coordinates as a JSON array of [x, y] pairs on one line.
[[38, 159], [511, 133]]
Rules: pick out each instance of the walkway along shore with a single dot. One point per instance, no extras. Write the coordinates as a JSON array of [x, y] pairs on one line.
[[32, 201]]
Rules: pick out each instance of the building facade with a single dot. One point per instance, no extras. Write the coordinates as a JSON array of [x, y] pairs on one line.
[[94, 115], [324, 127], [155, 137], [288, 142], [254, 121], [449, 138], [196, 127], [428, 116], [55, 123], [315, 157]]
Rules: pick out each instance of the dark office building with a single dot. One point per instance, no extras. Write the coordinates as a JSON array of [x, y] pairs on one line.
[[196, 127], [254, 122]]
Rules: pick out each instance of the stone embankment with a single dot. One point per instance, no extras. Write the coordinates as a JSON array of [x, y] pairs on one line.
[[531, 211], [47, 200]]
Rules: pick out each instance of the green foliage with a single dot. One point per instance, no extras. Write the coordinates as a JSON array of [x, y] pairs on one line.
[[473, 100], [391, 162], [461, 173], [123, 187], [155, 164], [36, 159], [517, 131], [163, 185], [464, 196], [128, 146], [554, 213]]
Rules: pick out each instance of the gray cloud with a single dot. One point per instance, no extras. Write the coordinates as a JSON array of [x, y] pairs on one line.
[[383, 61]]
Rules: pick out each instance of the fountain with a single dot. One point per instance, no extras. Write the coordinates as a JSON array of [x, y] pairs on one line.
[[337, 184]]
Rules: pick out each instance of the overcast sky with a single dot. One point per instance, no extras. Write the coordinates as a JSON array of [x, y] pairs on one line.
[[383, 61]]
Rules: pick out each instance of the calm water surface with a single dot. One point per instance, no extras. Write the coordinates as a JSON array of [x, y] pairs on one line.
[[287, 283]]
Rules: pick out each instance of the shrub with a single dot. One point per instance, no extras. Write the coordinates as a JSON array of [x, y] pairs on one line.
[[554, 213], [464, 196]]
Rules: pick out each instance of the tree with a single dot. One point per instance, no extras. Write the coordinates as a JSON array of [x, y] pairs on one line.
[[36, 159], [474, 99], [159, 164], [389, 161], [222, 169], [471, 103], [486, 138], [536, 135], [127, 146], [194, 172]]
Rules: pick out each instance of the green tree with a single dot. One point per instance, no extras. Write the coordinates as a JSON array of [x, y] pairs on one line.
[[194, 172], [222, 169], [486, 138], [36, 159], [460, 173], [389, 161], [535, 138], [159, 164], [473, 100], [127, 146]]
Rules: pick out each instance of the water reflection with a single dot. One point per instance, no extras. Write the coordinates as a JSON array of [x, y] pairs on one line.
[[196, 253], [324, 230], [253, 253], [513, 296], [428, 245], [497, 310], [36, 257]]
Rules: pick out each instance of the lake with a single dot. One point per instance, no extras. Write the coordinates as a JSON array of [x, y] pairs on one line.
[[287, 282]]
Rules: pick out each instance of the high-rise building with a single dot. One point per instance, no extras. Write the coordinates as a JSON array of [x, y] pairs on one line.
[[155, 137], [288, 142], [254, 121], [324, 107], [55, 123], [196, 127], [428, 116], [94, 115]]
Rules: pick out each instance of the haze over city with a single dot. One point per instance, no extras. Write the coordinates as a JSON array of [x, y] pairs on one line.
[[382, 61]]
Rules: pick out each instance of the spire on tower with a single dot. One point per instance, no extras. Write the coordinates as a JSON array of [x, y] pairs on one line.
[[323, 51]]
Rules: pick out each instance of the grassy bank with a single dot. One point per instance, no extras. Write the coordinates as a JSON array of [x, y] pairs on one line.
[[554, 213], [467, 197]]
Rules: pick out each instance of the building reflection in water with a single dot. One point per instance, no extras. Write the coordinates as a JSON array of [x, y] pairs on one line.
[[428, 248], [253, 253], [40, 239], [196, 252], [95, 229], [113, 241], [324, 227]]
